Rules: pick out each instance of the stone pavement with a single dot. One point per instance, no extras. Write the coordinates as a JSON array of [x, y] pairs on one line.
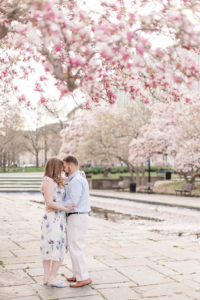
[[125, 263], [179, 201]]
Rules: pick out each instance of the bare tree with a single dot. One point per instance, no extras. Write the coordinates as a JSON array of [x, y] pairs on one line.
[[12, 143]]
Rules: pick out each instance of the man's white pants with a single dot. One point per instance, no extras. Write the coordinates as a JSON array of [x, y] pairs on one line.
[[77, 225]]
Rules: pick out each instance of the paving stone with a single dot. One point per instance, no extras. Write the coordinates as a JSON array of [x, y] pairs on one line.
[[124, 293], [189, 266], [163, 269], [167, 289], [27, 298], [40, 271], [111, 276], [4, 254], [30, 245], [114, 263], [46, 292], [115, 285], [39, 279], [188, 280], [21, 260], [96, 297], [24, 238], [27, 252], [195, 295], [24, 266], [16, 292], [143, 275], [8, 245], [170, 296], [17, 277], [108, 256], [141, 252]]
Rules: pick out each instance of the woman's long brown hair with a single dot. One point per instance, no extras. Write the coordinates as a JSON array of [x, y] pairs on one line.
[[53, 169]]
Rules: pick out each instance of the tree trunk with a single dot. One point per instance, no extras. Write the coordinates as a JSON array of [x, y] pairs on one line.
[[36, 156], [130, 170], [143, 174], [4, 162], [105, 174], [192, 179], [137, 176], [45, 150]]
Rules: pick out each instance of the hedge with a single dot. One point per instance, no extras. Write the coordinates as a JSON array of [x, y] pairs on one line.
[[114, 170]]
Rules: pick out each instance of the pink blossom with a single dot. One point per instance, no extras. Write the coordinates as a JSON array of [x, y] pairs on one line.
[[140, 48], [58, 47], [129, 36], [42, 100], [178, 79]]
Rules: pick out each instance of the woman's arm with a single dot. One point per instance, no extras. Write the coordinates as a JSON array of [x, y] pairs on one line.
[[48, 188]]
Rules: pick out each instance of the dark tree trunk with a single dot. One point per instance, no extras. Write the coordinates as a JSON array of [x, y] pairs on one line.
[[105, 172], [37, 162], [192, 178], [131, 171], [143, 174]]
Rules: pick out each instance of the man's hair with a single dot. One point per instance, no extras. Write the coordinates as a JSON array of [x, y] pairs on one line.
[[71, 159]]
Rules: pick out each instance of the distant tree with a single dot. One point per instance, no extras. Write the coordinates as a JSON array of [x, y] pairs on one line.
[[105, 134], [174, 130], [12, 142]]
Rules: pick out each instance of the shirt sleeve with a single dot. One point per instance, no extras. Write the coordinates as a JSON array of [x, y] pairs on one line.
[[74, 194]]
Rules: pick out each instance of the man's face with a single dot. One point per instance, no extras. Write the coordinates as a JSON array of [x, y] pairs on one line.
[[67, 168]]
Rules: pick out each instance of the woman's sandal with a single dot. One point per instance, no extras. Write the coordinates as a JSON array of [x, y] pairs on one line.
[[60, 284], [45, 282]]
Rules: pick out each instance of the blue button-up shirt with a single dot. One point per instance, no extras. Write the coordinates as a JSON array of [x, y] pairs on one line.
[[77, 192]]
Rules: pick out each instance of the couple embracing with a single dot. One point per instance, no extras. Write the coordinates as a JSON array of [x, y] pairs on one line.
[[65, 221]]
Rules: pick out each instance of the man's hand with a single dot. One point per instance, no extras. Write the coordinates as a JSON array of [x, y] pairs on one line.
[[49, 209], [83, 174]]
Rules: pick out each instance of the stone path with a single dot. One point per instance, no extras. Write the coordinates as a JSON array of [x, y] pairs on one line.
[[125, 263]]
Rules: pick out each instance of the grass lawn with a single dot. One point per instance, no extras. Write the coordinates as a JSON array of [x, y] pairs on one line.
[[20, 170], [117, 175], [169, 188]]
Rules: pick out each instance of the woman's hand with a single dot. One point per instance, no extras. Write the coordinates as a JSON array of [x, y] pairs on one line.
[[49, 209], [72, 206]]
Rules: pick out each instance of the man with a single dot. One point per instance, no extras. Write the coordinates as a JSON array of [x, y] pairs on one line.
[[77, 192]]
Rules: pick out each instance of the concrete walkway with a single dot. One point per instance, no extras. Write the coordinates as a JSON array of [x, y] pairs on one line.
[[125, 263], [180, 201]]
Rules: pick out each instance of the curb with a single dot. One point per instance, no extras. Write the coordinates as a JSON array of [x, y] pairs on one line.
[[148, 202]]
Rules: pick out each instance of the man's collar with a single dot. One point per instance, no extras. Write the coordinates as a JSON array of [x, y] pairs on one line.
[[73, 174]]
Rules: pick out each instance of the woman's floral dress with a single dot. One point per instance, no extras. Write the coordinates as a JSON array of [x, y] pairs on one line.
[[53, 243]]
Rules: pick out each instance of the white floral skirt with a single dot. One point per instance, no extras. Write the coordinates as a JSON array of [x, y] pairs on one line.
[[53, 242]]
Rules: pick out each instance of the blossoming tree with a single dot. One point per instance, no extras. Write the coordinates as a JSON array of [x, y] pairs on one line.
[[173, 130], [104, 134], [91, 52]]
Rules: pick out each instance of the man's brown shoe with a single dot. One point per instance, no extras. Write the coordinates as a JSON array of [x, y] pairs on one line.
[[72, 279], [81, 283]]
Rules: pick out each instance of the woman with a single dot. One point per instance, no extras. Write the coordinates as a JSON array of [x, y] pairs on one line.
[[53, 244]]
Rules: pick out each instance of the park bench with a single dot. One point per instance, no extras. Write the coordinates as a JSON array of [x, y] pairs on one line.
[[186, 188], [160, 172], [122, 185], [148, 187]]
